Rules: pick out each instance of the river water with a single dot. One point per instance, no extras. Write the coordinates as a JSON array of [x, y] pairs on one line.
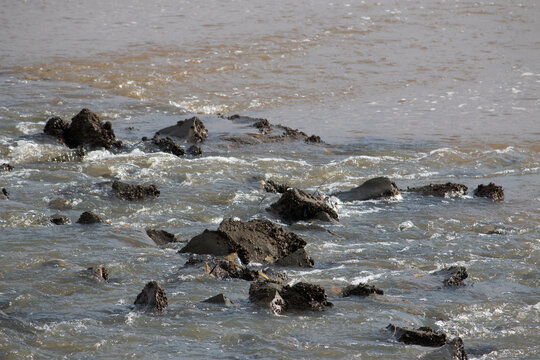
[[419, 91]]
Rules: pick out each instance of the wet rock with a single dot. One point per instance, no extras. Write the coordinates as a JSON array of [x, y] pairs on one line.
[[6, 167], [361, 290], [152, 297], [58, 219], [56, 127], [453, 276], [4, 194], [423, 336], [87, 129], [89, 217], [219, 299], [452, 350], [273, 187], [134, 192], [441, 190], [161, 237], [314, 139], [99, 273], [60, 204], [190, 130], [281, 298], [372, 189], [255, 240], [299, 258], [195, 150], [74, 155], [229, 270], [297, 205], [491, 191], [263, 125], [168, 145]]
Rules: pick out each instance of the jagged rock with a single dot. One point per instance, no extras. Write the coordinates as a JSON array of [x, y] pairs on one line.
[[219, 299], [190, 130], [281, 298], [87, 129], [89, 217], [492, 191], [424, 336], [168, 145], [297, 205], [452, 350], [134, 192], [361, 290], [161, 237], [372, 189], [195, 150], [56, 127], [273, 187], [4, 194], [299, 258], [453, 276], [441, 190], [6, 167], [255, 240], [58, 219], [152, 297]]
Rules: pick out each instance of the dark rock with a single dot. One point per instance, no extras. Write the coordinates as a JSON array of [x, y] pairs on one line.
[[195, 150], [452, 350], [4, 194], [190, 130], [441, 190], [89, 217], [255, 240], [99, 273], [372, 189], [6, 167], [229, 270], [492, 191], [152, 297], [194, 261], [56, 127], [273, 187], [299, 258], [280, 298], [263, 125], [161, 237], [453, 276], [58, 219], [361, 290], [60, 204], [134, 192], [168, 145], [87, 129], [314, 139], [423, 336], [297, 205], [220, 300]]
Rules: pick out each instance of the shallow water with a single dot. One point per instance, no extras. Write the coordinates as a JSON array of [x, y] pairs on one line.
[[419, 91]]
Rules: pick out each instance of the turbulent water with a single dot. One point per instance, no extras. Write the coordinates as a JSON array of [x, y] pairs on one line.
[[419, 91]]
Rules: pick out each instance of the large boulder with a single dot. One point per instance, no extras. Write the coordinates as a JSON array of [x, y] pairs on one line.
[[297, 205], [88, 217], [453, 276], [87, 129], [361, 290], [152, 297], [424, 336], [372, 189], [281, 298], [491, 191], [441, 190], [253, 241], [134, 192], [190, 130]]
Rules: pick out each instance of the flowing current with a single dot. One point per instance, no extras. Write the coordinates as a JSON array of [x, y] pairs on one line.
[[418, 91]]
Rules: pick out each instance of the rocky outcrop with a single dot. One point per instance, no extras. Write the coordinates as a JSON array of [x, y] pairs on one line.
[[361, 290], [297, 205], [58, 219], [441, 190], [168, 145], [190, 130], [6, 167], [281, 298], [134, 192], [273, 187], [424, 336], [88, 218], [253, 241], [219, 299], [491, 191], [453, 276], [161, 237], [372, 189], [152, 297]]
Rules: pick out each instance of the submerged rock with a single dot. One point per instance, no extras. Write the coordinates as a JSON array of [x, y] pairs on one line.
[[492, 191], [89, 217], [58, 219], [6, 167], [361, 290], [152, 297], [98, 273], [297, 205], [453, 276], [4, 194], [60, 204], [190, 130], [194, 150], [255, 240], [441, 190], [168, 145], [134, 192], [372, 189], [161, 237], [424, 336], [273, 187], [219, 299], [280, 298]]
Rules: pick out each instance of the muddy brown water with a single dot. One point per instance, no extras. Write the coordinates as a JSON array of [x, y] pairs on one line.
[[419, 91]]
